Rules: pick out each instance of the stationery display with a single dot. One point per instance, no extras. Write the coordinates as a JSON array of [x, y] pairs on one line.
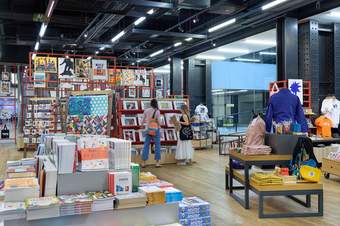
[[101, 201], [132, 200], [19, 189], [172, 195], [12, 210], [77, 204], [92, 159], [43, 207], [120, 182], [155, 195], [194, 211], [119, 154]]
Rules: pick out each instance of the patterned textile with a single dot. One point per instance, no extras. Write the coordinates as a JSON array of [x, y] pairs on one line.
[[74, 124], [99, 105], [79, 105], [95, 125]]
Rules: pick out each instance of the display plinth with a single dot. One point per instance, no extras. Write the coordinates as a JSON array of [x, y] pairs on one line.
[[160, 214]]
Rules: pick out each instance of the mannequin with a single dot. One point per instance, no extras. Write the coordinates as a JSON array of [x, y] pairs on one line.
[[331, 109], [285, 106]]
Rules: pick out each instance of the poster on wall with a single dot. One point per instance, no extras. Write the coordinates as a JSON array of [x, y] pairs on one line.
[[39, 64], [83, 68], [52, 79], [128, 77], [39, 78], [51, 64], [140, 78], [99, 69], [65, 67], [5, 88], [5, 76], [296, 87]]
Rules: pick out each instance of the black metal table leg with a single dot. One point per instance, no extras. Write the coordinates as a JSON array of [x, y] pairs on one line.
[[246, 185]]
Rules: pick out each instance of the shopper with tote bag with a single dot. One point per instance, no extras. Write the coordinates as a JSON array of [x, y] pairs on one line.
[[184, 150], [152, 122]]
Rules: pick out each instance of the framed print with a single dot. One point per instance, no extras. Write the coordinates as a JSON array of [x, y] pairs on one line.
[[132, 92], [130, 105], [65, 67], [52, 79], [162, 134], [129, 135], [162, 120], [159, 93], [140, 77], [82, 68], [140, 119], [146, 92], [145, 104], [159, 83], [99, 68], [165, 105], [141, 135], [170, 118], [5, 87], [129, 121], [51, 64], [39, 78], [128, 77], [5, 76], [39, 64], [170, 134], [178, 104]]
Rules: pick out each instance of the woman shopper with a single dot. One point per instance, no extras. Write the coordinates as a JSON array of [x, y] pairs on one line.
[[152, 122], [184, 150]]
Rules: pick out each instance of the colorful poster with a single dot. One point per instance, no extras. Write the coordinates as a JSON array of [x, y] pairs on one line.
[[95, 124], [5, 88], [52, 79], [140, 78], [83, 68], [296, 87], [99, 69], [51, 64], [128, 77], [65, 68], [39, 64], [39, 78]]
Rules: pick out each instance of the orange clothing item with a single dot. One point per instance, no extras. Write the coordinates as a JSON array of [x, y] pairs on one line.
[[323, 127]]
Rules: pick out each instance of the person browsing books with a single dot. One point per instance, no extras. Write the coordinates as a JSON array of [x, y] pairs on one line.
[[152, 121]]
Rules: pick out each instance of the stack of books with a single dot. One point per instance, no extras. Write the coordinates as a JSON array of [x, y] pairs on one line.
[[154, 195], [12, 210], [43, 207], [119, 154], [147, 178], [20, 189], [194, 211], [66, 152], [132, 200], [135, 170], [21, 168], [94, 159], [102, 201], [172, 194], [75, 204], [120, 182]]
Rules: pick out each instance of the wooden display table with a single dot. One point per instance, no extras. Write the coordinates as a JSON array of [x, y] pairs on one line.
[[330, 166], [325, 141], [288, 190]]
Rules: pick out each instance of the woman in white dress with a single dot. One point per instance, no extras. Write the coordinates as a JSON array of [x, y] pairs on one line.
[[184, 150]]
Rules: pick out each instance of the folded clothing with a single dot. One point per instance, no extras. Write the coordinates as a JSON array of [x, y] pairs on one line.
[[262, 178], [256, 150]]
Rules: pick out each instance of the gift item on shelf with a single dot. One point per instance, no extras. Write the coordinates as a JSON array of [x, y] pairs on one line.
[[119, 153], [43, 207], [19, 189], [324, 127], [75, 204], [264, 178], [194, 211], [94, 159], [331, 109], [202, 111], [155, 195], [120, 183], [101, 201], [135, 171], [132, 200], [256, 150], [172, 194], [12, 210]]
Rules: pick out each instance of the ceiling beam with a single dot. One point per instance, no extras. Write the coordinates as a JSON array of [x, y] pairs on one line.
[[168, 33], [151, 4]]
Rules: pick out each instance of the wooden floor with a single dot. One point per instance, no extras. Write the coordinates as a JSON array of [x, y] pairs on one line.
[[206, 179]]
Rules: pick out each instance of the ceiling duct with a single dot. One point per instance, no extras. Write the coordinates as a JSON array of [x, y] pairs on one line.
[[193, 4]]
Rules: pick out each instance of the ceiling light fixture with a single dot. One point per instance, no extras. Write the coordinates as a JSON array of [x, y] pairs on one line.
[[102, 48], [224, 24], [268, 53], [188, 39], [156, 53], [50, 9], [169, 59], [150, 12], [42, 30], [247, 60], [261, 42], [97, 52], [233, 50], [85, 35], [36, 46], [273, 4], [118, 36], [140, 20], [210, 57], [177, 44]]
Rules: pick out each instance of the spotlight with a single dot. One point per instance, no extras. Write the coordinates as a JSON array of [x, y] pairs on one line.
[[169, 59], [180, 28], [85, 35], [195, 20]]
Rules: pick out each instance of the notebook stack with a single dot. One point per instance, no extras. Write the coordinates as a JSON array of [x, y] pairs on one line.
[[194, 211], [132, 200], [21, 168], [94, 159], [75, 204], [120, 183], [66, 157], [12, 210], [43, 207], [154, 195], [172, 195], [119, 154], [101, 201], [147, 178], [20, 189]]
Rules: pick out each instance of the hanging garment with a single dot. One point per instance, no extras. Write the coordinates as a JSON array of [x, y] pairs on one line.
[[323, 127], [331, 109], [285, 106]]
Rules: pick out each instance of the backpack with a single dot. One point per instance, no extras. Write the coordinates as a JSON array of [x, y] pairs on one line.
[[153, 125], [303, 155]]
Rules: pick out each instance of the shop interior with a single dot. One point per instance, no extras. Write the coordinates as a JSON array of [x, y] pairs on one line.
[[169, 113]]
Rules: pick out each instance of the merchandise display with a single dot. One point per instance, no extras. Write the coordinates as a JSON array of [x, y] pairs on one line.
[[194, 211]]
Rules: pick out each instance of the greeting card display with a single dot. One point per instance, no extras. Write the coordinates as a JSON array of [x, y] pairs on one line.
[[5, 87], [83, 68], [129, 121], [171, 134], [5, 76], [132, 92], [129, 135], [145, 104], [146, 92], [65, 67], [178, 104], [130, 105], [165, 105], [99, 69], [51, 64]]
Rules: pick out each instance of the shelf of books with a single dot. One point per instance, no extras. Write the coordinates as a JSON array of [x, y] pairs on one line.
[[129, 125]]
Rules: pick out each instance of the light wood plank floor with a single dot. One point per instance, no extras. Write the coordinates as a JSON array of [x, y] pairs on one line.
[[206, 179]]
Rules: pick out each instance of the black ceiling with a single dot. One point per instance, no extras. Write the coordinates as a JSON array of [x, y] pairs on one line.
[[83, 26]]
